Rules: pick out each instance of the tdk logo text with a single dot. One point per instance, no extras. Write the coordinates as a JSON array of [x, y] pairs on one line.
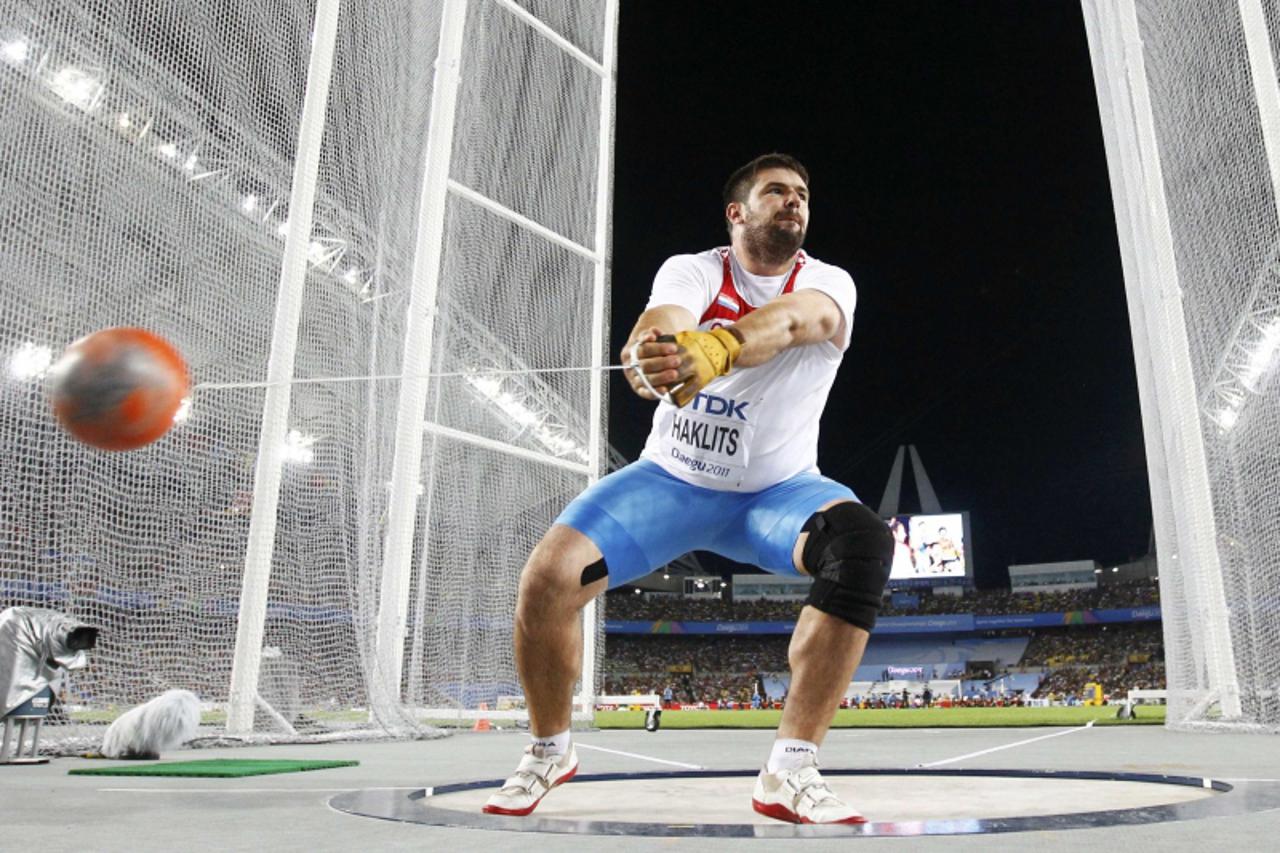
[[713, 405]]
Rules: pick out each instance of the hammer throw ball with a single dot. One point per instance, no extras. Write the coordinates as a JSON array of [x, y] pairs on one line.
[[118, 389]]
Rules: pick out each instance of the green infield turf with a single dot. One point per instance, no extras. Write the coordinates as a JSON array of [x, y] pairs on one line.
[[927, 718], [227, 768]]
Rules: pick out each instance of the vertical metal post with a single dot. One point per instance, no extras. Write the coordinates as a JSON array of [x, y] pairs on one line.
[[407, 466], [596, 447], [1177, 406], [275, 409]]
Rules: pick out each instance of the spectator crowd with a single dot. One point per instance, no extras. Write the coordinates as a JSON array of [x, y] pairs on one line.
[[693, 669], [625, 604]]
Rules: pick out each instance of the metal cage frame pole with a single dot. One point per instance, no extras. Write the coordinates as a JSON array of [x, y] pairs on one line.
[[402, 514], [260, 548], [1171, 412], [596, 441]]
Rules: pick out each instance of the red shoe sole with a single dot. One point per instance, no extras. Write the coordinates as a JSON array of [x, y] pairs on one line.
[[777, 811], [522, 812]]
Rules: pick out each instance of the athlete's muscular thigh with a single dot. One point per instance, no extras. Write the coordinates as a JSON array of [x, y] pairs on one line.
[[552, 577], [797, 553]]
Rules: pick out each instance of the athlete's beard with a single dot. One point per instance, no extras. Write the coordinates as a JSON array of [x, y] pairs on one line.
[[771, 243]]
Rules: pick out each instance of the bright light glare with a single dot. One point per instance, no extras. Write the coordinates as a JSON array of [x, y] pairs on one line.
[[1263, 355], [486, 385], [168, 149], [77, 87], [30, 361], [1227, 418], [297, 447], [184, 411], [15, 51], [248, 204], [556, 443]]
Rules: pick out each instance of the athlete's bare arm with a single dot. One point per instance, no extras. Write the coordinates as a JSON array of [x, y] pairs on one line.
[[796, 319], [660, 362]]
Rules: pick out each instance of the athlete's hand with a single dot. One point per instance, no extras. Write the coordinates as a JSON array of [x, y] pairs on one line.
[[704, 356], [659, 361]]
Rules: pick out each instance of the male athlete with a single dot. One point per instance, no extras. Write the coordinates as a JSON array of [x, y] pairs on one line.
[[740, 345]]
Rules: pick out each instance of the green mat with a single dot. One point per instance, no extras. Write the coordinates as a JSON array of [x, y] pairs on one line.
[[215, 767]]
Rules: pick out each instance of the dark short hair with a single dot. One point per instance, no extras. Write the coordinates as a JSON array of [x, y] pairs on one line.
[[739, 185]]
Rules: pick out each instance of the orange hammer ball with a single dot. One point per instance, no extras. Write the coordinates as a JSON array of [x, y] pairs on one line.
[[118, 389]]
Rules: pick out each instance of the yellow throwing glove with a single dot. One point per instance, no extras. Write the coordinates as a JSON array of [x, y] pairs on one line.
[[711, 354]]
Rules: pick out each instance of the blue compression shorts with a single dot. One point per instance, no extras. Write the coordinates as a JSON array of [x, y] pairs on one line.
[[641, 518]]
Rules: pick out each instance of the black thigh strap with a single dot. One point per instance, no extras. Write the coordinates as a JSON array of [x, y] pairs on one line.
[[594, 572]]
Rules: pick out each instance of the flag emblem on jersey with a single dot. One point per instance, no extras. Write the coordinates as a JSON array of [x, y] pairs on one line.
[[727, 301]]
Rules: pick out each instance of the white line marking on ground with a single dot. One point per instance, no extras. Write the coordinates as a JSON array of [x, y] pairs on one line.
[[1087, 725], [247, 790], [641, 757], [1225, 779]]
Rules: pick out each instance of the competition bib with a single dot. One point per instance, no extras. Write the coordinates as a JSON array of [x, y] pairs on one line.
[[710, 438]]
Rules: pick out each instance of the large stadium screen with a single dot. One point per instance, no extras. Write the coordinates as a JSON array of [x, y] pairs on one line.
[[930, 549]]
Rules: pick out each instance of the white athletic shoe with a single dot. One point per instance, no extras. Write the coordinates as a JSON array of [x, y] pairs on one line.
[[536, 775], [800, 796]]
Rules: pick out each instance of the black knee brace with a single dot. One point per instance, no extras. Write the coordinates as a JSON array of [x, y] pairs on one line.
[[849, 553]]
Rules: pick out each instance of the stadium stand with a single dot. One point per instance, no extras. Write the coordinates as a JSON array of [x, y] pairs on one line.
[[625, 604], [1044, 664]]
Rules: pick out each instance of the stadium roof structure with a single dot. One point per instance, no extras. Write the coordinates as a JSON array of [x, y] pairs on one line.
[[893, 488]]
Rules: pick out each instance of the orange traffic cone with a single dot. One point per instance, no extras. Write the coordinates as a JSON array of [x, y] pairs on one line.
[[482, 723]]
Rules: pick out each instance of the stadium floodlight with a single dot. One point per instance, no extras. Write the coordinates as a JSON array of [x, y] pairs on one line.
[[77, 87], [539, 424], [298, 447], [1226, 418], [30, 361], [1261, 356], [15, 50], [1250, 353]]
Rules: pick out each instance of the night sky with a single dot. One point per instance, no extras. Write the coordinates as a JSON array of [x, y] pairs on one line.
[[958, 173]]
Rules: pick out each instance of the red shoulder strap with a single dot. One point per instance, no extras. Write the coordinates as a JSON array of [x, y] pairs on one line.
[[728, 305]]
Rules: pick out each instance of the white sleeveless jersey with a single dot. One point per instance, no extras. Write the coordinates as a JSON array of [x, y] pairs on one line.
[[759, 425]]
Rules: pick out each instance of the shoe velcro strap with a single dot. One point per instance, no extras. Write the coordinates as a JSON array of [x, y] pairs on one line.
[[523, 782], [816, 791]]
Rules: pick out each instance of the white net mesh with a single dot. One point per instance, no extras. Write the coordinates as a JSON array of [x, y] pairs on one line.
[[1191, 112], [149, 156]]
